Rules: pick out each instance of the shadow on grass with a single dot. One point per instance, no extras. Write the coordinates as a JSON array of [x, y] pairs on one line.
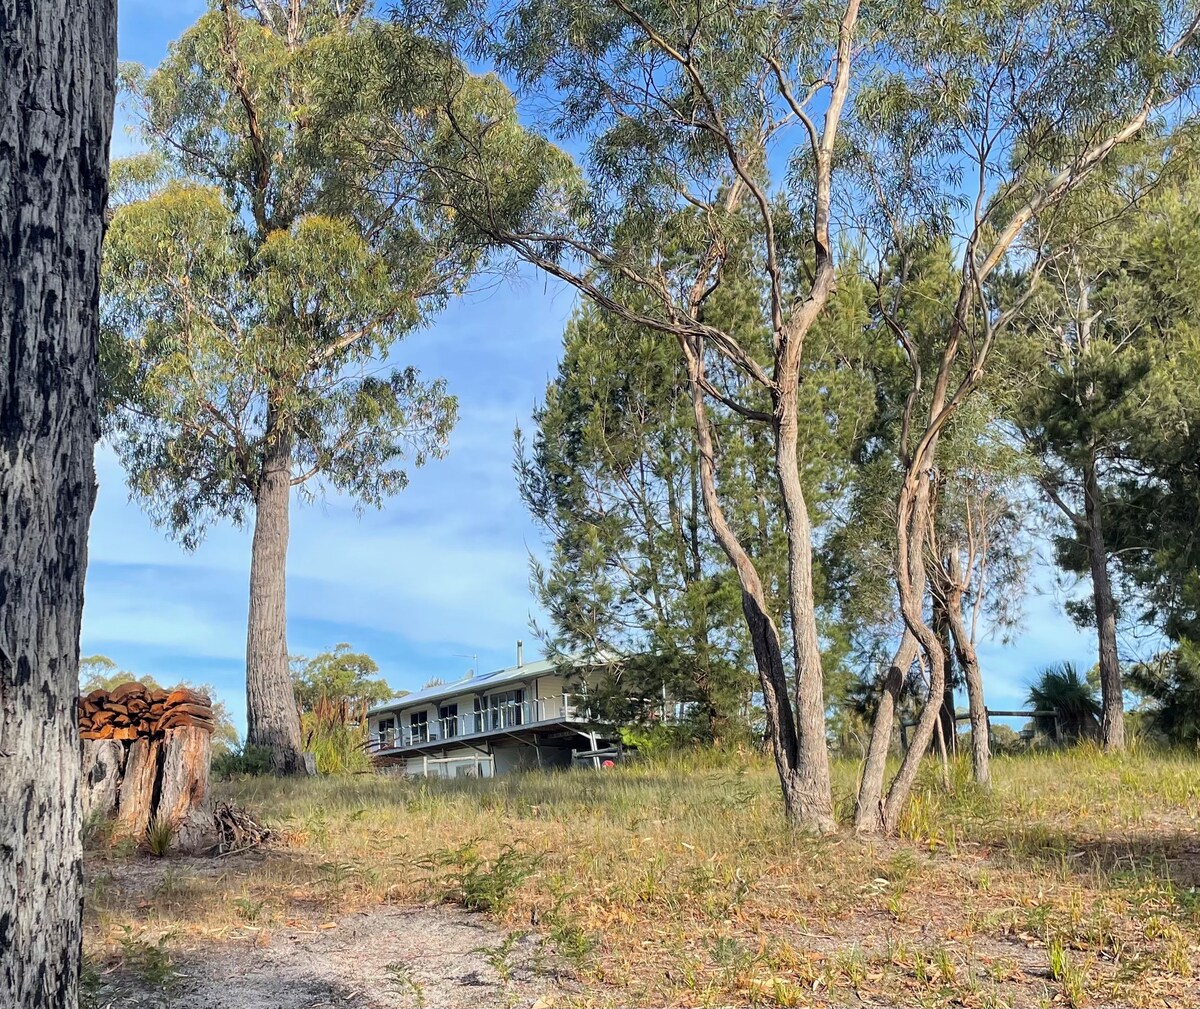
[[1171, 859], [190, 984]]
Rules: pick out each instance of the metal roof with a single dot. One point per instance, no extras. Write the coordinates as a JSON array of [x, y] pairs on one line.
[[468, 685]]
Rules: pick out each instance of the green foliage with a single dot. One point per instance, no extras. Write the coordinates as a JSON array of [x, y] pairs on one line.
[[1170, 685], [476, 882], [1062, 689], [650, 740], [338, 748], [498, 956], [159, 837], [612, 475], [406, 983], [243, 761], [254, 281], [340, 675], [152, 962]]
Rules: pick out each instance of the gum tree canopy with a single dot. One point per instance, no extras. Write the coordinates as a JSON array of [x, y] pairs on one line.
[[260, 267]]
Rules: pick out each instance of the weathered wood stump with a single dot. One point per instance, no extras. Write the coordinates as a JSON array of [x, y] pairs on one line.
[[146, 758]]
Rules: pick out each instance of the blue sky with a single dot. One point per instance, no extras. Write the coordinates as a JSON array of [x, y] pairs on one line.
[[440, 573]]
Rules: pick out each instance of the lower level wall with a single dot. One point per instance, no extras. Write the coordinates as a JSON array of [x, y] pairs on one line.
[[507, 757]]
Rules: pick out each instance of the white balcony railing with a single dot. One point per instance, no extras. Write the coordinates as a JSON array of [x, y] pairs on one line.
[[498, 718]]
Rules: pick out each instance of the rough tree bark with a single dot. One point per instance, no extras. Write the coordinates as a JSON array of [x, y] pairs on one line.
[[1112, 722], [271, 717], [103, 765], [57, 64]]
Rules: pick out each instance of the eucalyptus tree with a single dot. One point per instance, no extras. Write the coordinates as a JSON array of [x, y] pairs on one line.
[[340, 675], [679, 110], [978, 130], [58, 62], [260, 269]]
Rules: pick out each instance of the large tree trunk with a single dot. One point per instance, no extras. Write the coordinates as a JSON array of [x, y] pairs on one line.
[[1112, 723], [57, 62], [968, 661], [271, 717]]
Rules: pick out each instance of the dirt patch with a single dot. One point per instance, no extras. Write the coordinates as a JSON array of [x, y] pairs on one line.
[[388, 957]]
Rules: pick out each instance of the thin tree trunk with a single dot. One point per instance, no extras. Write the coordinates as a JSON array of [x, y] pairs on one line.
[[1112, 723], [799, 807], [912, 523], [968, 661], [941, 627], [58, 63], [271, 717], [868, 810], [812, 758], [943, 755]]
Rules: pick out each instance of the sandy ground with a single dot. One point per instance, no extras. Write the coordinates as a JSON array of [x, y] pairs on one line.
[[388, 957]]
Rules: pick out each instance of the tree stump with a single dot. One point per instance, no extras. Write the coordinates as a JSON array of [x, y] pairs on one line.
[[103, 767], [146, 758]]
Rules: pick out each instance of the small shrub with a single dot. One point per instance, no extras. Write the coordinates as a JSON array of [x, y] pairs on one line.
[[498, 956], [150, 961], [405, 983], [91, 985], [159, 836], [245, 761], [480, 884], [573, 943], [98, 832]]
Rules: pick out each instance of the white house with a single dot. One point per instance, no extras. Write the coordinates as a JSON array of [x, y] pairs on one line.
[[525, 716]]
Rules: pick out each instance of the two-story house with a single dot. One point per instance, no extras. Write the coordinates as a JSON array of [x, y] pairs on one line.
[[526, 716]]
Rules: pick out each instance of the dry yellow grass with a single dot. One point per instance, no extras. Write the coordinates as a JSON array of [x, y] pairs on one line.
[[676, 882]]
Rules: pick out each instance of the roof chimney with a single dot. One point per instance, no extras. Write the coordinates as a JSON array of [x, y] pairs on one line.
[[520, 652]]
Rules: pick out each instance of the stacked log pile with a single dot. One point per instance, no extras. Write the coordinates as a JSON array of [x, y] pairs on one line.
[[146, 757], [132, 710]]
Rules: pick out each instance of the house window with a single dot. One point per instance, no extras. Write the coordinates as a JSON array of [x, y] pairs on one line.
[[387, 732], [448, 716], [418, 726], [505, 709]]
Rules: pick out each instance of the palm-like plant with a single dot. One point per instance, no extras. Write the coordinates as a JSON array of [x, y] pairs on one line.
[[1061, 689]]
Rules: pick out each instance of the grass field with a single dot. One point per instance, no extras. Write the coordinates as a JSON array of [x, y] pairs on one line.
[[676, 881]]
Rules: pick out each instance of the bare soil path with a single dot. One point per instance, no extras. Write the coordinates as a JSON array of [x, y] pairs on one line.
[[388, 957]]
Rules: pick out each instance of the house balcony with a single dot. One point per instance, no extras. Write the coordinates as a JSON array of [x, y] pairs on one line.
[[498, 720]]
